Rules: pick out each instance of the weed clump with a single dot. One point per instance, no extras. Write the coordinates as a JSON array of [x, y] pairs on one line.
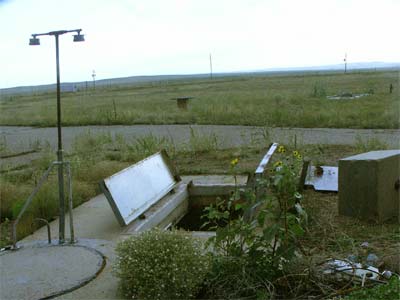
[[371, 144], [161, 265], [319, 90], [256, 247]]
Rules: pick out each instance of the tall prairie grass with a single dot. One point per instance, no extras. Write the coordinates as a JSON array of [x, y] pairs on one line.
[[284, 100]]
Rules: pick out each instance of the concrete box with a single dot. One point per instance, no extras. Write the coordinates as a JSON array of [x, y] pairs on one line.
[[368, 185]]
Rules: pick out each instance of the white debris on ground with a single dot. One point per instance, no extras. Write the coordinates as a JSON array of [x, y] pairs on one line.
[[347, 96], [326, 180], [345, 269]]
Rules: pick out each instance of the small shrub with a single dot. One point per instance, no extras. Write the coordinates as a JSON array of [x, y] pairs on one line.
[[161, 265]]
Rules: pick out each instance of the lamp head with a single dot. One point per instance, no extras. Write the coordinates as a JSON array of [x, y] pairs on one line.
[[34, 41], [79, 37]]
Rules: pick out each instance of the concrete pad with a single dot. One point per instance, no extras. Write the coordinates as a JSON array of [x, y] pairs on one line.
[[214, 185], [215, 179], [367, 185], [96, 227], [93, 219], [105, 286], [42, 271]]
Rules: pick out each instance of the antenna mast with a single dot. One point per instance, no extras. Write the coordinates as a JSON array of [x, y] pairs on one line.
[[94, 79], [211, 70]]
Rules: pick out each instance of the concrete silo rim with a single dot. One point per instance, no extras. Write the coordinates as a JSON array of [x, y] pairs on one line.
[[96, 257]]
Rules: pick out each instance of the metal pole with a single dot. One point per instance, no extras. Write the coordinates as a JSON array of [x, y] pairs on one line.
[[70, 204], [60, 153], [211, 70], [94, 79]]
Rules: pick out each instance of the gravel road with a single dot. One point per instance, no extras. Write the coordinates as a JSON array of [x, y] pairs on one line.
[[18, 139]]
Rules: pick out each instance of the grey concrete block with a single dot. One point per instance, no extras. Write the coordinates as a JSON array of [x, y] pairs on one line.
[[367, 185]]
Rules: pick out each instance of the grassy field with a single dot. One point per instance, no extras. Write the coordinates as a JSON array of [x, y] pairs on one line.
[[280, 100]]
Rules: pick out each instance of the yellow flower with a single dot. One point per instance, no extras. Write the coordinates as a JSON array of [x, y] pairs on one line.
[[281, 149], [234, 162], [278, 164], [297, 154]]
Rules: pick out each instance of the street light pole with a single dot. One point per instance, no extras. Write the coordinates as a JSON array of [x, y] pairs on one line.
[[34, 41], [61, 198]]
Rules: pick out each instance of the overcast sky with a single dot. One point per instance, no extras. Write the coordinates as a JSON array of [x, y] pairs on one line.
[[151, 37]]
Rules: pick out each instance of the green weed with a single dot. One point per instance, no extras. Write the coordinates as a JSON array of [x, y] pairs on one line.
[[199, 142], [10, 193], [149, 144], [371, 144], [256, 233]]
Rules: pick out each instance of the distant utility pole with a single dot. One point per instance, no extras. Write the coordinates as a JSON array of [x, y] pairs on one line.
[[94, 79], [345, 63], [211, 71]]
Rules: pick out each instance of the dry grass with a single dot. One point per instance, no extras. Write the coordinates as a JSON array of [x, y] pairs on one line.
[[335, 236], [332, 236], [271, 100]]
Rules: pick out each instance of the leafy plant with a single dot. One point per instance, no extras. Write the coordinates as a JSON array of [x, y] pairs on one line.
[[256, 233], [161, 265]]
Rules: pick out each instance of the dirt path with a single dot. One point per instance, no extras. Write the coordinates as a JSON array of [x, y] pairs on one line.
[[18, 139]]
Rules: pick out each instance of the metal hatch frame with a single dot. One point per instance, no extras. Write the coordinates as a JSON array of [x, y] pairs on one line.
[[136, 179]]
